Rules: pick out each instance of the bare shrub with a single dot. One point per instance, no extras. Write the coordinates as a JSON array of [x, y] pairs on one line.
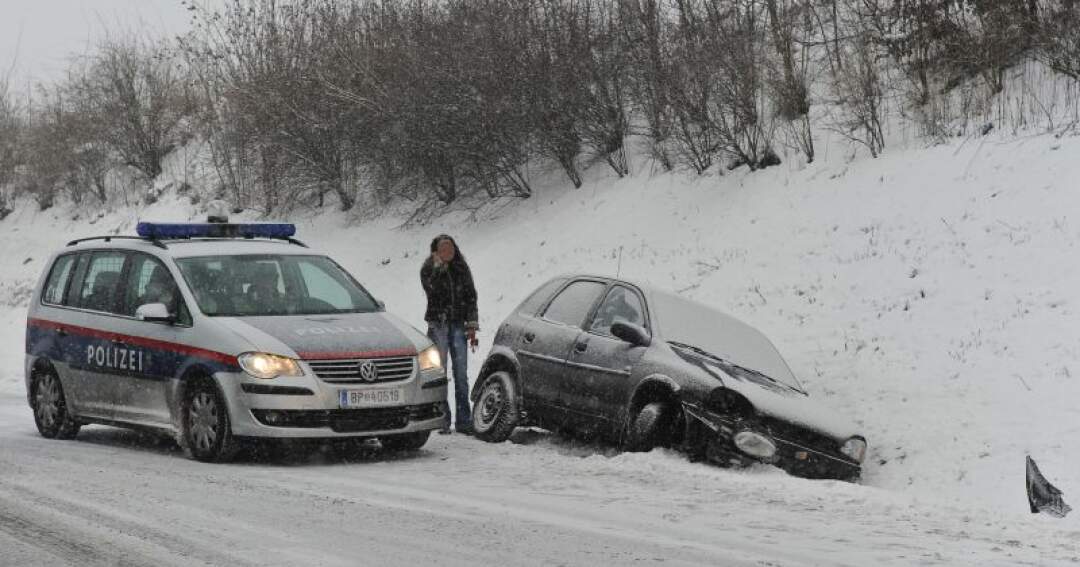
[[136, 97]]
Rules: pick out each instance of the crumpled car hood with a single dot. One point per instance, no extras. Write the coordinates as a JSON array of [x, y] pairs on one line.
[[789, 405]]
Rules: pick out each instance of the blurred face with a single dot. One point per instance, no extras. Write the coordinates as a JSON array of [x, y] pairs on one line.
[[446, 250]]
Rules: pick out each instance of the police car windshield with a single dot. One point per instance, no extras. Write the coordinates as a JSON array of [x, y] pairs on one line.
[[261, 285]]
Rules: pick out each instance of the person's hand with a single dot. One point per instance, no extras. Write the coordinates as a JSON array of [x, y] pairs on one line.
[[436, 260], [473, 341]]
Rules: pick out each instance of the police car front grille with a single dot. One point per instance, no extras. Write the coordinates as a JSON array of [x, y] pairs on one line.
[[347, 371]]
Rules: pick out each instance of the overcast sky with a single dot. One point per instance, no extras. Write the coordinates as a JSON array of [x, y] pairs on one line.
[[51, 30]]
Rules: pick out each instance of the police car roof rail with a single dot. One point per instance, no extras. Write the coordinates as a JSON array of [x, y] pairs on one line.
[[109, 238]]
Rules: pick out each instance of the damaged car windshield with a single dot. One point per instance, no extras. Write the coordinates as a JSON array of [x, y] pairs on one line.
[[719, 335], [732, 368], [251, 285]]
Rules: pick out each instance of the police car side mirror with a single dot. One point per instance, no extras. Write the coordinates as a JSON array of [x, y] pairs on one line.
[[154, 313], [380, 304]]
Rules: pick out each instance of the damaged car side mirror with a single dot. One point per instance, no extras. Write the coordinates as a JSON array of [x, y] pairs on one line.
[[633, 334]]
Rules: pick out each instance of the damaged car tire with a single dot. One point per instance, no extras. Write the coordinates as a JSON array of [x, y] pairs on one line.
[[495, 414], [651, 427]]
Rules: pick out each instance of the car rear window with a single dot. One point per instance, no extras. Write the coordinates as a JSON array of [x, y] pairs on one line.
[[57, 283]]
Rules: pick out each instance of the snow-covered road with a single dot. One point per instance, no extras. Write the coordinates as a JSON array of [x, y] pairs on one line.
[[115, 497]]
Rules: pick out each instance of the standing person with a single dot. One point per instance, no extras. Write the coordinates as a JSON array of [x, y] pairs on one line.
[[452, 318]]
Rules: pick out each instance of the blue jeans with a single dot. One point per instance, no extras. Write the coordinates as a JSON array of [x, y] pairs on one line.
[[451, 337]]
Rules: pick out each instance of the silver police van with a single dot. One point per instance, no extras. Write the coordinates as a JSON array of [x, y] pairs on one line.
[[216, 332]]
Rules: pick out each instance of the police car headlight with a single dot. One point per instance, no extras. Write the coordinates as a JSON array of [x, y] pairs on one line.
[[430, 359], [855, 448], [266, 366]]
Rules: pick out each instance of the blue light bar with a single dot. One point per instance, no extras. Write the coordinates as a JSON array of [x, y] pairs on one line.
[[215, 230]]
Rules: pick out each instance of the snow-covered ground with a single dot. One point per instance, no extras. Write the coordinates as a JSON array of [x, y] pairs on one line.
[[930, 294], [114, 497]]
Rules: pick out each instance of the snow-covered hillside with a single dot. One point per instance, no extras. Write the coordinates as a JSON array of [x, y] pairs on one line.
[[931, 294]]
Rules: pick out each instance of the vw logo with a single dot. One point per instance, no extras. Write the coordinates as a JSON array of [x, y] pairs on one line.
[[368, 371]]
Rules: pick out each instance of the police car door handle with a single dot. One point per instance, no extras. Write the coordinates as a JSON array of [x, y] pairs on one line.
[[119, 343], [61, 332]]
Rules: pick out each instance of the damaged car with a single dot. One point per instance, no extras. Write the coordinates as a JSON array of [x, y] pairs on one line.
[[640, 367]]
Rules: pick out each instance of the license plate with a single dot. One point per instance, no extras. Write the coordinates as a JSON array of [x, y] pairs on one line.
[[370, 398]]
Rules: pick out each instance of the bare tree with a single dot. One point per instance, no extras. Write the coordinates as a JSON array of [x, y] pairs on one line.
[[10, 133], [789, 87], [857, 90], [1059, 37], [138, 97], [605, 117], [645, 26]]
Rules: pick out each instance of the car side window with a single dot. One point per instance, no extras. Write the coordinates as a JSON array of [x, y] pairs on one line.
[[59, 276], [572, 304], [538, 297], [149, 281], [100, 287], [620, 304]]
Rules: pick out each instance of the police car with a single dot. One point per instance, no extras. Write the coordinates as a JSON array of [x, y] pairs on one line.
[[215, 332]]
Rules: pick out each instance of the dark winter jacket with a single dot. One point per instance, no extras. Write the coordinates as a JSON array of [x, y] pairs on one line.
[[451, 295]]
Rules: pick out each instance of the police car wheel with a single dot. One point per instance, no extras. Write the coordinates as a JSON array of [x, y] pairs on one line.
[[404, 441], [50, 407], [207, 433], [495, 413]]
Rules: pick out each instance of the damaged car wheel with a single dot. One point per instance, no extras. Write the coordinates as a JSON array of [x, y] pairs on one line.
[[495, 414], [651, 427]]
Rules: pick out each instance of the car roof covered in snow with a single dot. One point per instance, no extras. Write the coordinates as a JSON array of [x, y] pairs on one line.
[[685, 320]]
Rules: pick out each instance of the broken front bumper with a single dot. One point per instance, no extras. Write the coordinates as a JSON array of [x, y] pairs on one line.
[[791, 452]]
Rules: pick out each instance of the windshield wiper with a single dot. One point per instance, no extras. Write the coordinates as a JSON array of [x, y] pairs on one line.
[[697, 350], [706, 354]]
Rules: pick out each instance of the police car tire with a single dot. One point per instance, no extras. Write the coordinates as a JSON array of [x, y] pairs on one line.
[[223, 447], [61, 425], [405, 441], [495, 414], [648, 426]]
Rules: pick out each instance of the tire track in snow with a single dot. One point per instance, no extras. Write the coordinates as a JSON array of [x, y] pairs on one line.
[[95, 534]]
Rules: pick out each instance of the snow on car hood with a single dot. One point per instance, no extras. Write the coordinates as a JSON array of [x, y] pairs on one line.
[[314, 337], [787, 404], [689, 322]]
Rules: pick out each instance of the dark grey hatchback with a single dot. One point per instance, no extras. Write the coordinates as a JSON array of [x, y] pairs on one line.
[[640, 367]]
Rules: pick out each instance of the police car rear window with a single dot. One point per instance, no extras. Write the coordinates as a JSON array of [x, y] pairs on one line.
[[266, 285], [59, 276]]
